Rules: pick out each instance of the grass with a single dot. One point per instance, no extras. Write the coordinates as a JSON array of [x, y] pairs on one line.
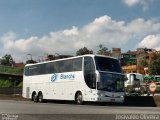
[[11, 70], [10, 83]]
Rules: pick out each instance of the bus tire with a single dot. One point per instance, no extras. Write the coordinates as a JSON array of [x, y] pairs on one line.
[[79, 98], [34, 97], [40, 97]]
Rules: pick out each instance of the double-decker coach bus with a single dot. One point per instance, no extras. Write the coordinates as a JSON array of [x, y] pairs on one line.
[[83, 78]]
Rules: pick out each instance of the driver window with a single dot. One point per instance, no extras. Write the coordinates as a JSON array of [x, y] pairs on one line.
[[89, 72]]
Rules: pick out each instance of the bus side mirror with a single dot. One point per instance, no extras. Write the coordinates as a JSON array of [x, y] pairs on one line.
[[133, 76], [98, 84], [97, 76], [125, 78]]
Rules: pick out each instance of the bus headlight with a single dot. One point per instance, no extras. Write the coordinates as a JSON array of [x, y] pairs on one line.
[[101, 94], [120, 96]]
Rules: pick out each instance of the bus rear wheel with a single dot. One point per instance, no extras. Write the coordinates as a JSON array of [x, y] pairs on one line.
[[79, 98], [40, 97]]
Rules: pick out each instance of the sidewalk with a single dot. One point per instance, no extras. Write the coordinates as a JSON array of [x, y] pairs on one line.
[[12, 97]]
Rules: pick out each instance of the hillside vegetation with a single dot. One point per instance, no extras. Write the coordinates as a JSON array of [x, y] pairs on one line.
[[11, 70]]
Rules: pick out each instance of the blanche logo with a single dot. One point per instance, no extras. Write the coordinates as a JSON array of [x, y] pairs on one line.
[[68, 76], [62, 77], [53, 77]]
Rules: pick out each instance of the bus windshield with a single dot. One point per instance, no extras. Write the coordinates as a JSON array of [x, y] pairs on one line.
[[111, 82], [110, 71], [107, 64]]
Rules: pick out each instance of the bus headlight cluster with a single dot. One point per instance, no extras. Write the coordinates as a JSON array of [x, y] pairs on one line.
[[101, 94], [122, 96]]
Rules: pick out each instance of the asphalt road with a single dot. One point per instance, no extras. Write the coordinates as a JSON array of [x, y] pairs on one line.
[[27, 110]]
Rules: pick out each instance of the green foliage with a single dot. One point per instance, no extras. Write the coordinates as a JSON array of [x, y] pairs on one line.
[[103, 50], [142, 61], [11, 70], [84, 51], [20, 84], [1, 83], [7, 60], [154, 67], [6, 83], [10, 83]]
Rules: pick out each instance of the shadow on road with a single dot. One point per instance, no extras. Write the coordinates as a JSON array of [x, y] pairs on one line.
[[135, 101], [130, 101]]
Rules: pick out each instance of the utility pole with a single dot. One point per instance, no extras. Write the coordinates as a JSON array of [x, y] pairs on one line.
[[30, 55]]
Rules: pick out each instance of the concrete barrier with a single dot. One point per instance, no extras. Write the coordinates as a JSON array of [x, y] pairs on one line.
[[145, 101], [157, 100]]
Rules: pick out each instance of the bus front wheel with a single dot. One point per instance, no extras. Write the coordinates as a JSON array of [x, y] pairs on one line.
[[79, 98]]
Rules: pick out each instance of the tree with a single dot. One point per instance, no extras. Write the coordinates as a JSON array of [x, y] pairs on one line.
[[154, 67], [142, 61], [7, 60], [84, 51], [103, 50], [50, 57], [30, 61]]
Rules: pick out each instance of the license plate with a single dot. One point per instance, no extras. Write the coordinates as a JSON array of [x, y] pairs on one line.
[[113, 100]]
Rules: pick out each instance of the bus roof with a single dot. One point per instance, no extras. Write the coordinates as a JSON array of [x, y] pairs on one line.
[[92, 55]]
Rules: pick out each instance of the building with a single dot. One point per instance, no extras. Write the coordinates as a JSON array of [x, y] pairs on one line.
[[128, 58], [137, 61], [133, 69], [19, 65], [116, 52]]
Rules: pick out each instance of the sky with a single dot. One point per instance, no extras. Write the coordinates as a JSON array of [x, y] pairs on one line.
[[41, 27]]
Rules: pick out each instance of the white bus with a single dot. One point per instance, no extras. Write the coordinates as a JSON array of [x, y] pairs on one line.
[[83, 78]]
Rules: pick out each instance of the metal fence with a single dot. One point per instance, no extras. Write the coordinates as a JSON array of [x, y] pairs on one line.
[[11, 91]]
